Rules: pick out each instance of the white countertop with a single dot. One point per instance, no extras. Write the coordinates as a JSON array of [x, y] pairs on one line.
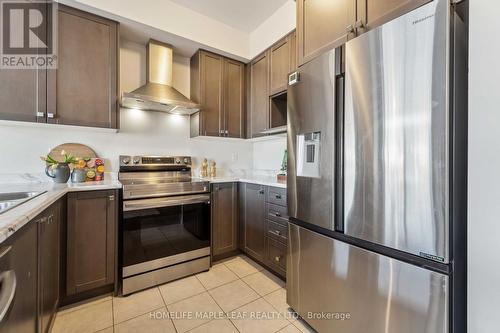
[[15, 218], [253, 179]]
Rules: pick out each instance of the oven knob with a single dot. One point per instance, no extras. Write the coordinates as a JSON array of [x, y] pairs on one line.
[[126, 160], [178, 161], [186, 160], [136, 160]]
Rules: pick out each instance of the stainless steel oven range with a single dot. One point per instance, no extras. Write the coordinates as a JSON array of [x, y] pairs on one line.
[[165, 225]]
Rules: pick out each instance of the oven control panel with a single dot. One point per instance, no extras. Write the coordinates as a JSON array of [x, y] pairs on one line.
[[130, 161]]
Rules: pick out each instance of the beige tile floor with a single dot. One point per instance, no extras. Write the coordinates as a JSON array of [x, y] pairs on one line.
[[236, 295]]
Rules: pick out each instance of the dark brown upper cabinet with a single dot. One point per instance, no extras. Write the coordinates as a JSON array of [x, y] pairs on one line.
[[322, 25], [326, 24], [224, 219], [23, 92], [91, 240], [283, 61], [23, 95], [259, 94], [218, 84], [83, 90], [373, 13], [234, 98], [280, 66]]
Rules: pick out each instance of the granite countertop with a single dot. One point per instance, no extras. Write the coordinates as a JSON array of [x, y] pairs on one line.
[[15, 218]]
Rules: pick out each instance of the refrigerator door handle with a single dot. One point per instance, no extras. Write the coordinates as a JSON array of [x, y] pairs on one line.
[[339, 151]]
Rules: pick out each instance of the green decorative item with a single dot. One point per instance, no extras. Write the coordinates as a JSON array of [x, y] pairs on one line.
[[284, 163]]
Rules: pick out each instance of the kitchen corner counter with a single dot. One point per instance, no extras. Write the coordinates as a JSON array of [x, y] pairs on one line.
[[14, 219], [259, 180]]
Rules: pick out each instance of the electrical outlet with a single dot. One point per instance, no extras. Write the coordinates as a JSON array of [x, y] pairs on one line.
[[234, 157]]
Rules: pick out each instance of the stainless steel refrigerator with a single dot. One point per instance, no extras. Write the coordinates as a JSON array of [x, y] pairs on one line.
[[377, 149]]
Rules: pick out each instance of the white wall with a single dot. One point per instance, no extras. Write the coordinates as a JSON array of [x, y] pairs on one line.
[[273, 29], [141, 132], [178, 20], [484, 168], [268, 155]]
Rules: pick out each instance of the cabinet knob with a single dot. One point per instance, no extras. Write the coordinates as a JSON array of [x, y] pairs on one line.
[[261, 191], [40, 114], [50, 115], [50, 219], [278, 196], [277, 214], [349, 29], [277, 258], [111, 198]]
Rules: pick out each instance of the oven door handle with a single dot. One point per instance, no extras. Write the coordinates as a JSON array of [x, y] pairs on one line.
[[165, 202]]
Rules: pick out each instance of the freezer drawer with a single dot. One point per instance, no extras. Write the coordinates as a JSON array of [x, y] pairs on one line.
[[396, 134], [379, 294]]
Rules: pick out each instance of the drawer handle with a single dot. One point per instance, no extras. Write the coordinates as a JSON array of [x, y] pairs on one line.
[[277, 258], [261, 192], [276, 232], [277, 214], [278, 196]]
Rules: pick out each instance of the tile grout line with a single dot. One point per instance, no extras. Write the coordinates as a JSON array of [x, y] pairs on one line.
[[135, 317], [166, 307]]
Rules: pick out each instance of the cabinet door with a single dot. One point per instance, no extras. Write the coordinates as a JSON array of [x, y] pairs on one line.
[[83, 90], [234, 98], [322, 25], [279, 66], [22, 95], [293, 53], [91, 244], [48, 266], [20, 253], [255, 221], [224, 218], [372, 13], [259, 104], [211, 66]]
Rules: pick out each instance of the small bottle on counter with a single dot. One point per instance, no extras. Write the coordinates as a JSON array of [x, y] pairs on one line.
[[204, 168], [213, 169]]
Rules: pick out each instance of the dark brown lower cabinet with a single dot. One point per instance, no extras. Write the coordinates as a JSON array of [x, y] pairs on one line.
[[20, 253], [253, 213], [48, 265], [33, 255], [224, 219], [91, 240], [263, 225]]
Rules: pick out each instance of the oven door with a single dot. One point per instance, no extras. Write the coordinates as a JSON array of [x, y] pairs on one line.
[[164, 231]]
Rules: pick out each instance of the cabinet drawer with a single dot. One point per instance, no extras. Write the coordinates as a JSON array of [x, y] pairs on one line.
[[276, 195], [277, 231], [277, 213], [276, 255]]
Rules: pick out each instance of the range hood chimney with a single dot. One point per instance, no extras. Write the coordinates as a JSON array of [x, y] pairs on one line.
[[158, 94]]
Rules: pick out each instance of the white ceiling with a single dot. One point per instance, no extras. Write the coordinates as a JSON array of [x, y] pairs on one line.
[[244, 15]]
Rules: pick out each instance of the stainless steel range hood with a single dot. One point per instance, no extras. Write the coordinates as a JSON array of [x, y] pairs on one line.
[[158, 94]]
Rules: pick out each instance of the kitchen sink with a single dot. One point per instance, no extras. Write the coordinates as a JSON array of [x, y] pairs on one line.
[[11, 200]]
